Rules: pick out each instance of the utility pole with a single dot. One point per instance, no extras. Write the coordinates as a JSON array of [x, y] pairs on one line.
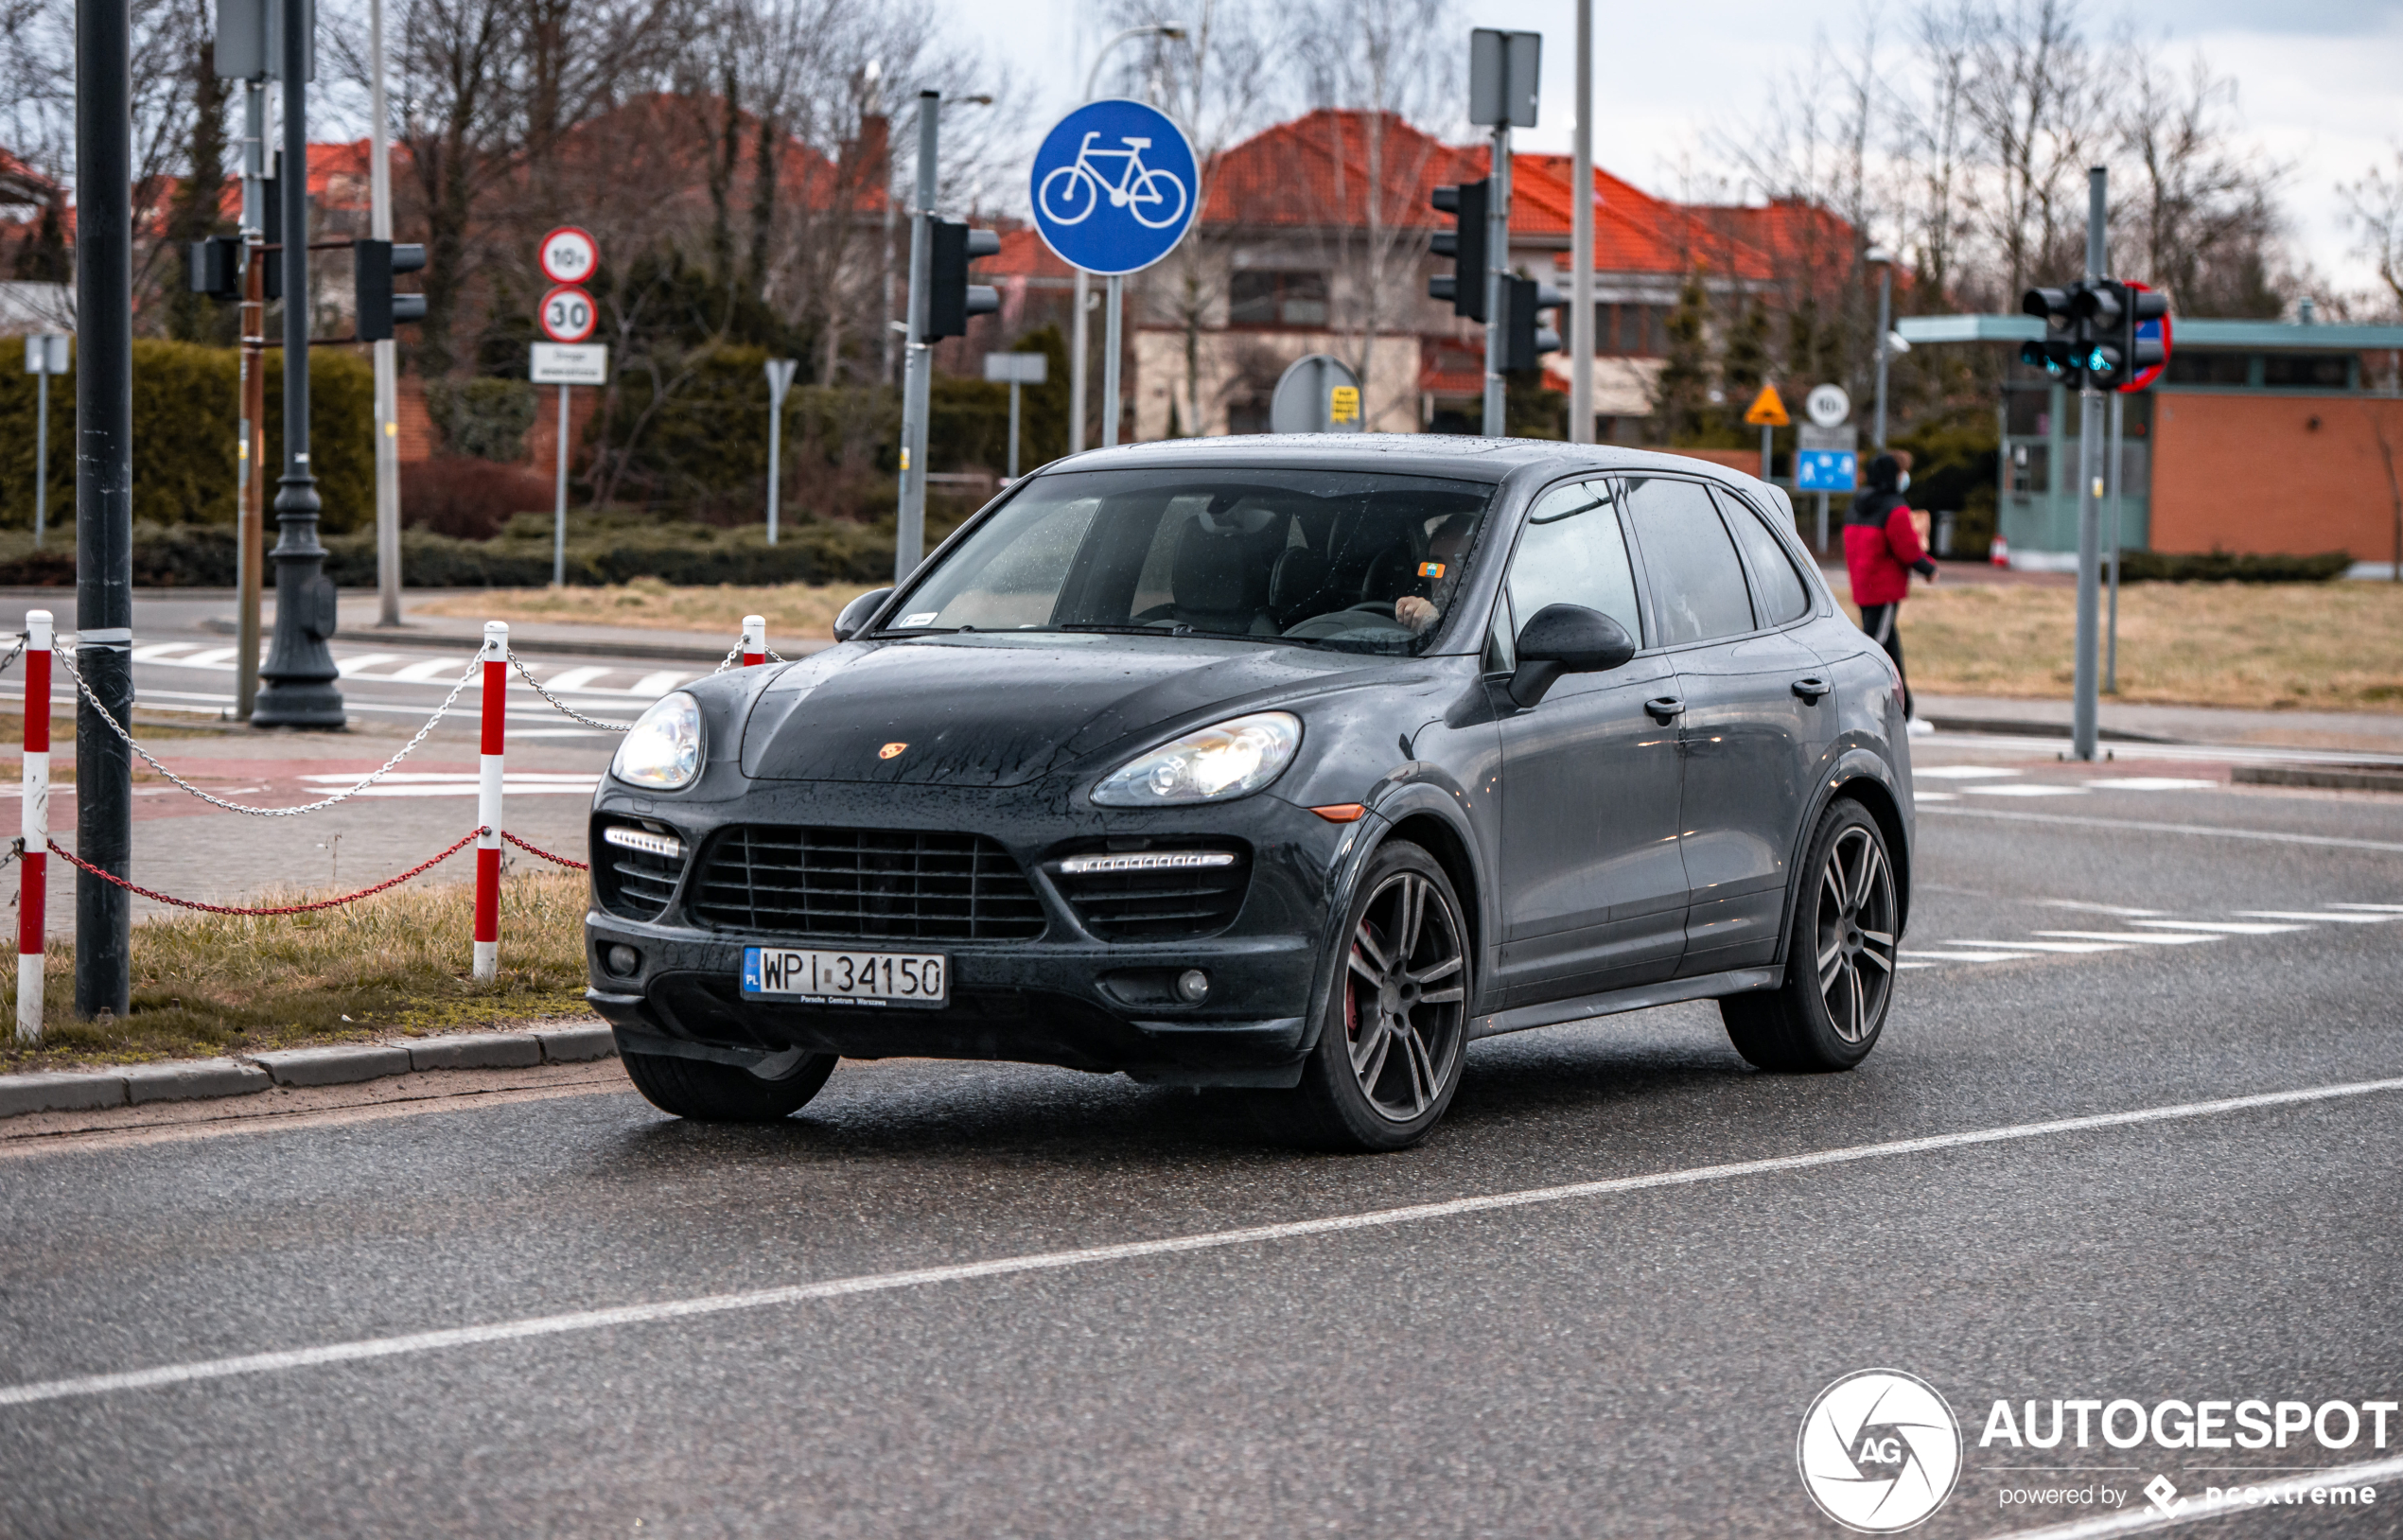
[[779, 379], [2090, 453], [299, 673], [1885, 260], [379, 225], [917, 363], [1581, 241], [250, 539], [104, 499], [1497, 282]]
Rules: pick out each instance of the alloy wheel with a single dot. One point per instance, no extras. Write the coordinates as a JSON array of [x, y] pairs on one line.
[[1855, 934], [1404, 1005]]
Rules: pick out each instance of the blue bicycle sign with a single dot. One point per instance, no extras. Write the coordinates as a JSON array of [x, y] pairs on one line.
[[1114, 187]]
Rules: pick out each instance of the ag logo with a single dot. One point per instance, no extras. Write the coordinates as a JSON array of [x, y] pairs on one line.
[[889, 750], [1879, 1451]]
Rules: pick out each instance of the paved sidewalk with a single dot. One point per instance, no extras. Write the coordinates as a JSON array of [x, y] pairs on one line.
[[2365, 732]]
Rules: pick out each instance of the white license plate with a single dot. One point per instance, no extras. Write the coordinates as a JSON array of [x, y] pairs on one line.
[[845, 978]]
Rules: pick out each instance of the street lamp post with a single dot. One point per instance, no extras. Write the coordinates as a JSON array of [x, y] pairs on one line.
[[1078, 324], [1884, 261]]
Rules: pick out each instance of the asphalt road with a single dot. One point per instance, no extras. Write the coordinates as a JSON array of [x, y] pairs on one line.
[[1634, 1358]]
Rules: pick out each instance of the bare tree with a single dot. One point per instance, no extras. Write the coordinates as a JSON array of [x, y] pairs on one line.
[[2037, 101], [2374, 209], [2201, 207]]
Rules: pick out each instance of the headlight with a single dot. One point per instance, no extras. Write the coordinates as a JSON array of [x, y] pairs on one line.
[[663, 751], [1226, 759]]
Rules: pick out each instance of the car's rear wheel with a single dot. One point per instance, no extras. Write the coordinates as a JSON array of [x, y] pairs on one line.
[[1839, 956], [710, 1093], [1389, 1053]]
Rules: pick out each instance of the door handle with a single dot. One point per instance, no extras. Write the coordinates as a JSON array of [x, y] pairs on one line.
[[1812, 688], [1665, 709]]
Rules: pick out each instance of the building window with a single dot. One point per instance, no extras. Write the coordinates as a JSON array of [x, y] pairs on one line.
[[2190, 368], [2307, 370], [1277, 299], [1638, 330]]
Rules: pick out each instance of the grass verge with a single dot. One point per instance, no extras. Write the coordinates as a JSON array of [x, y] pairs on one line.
[[2308, 646], [793, 609], [399, 962]]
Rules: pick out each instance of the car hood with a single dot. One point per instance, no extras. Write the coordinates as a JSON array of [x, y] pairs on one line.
[[1002, 710]]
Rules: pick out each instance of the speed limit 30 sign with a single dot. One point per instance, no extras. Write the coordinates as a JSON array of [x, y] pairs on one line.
[[569, 256], [567, 314]]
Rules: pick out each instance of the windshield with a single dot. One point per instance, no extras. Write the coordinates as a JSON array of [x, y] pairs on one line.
[[1356, 561]]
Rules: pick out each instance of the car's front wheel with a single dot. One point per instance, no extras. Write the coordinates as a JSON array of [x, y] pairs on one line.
[[1389, 1053], [1839, 956], [710, 1093]]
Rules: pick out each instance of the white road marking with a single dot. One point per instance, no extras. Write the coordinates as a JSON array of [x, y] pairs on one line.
[[2278, 1490], [568, 680], [2044, 946], [513, 786], [2146, 827], [216, 657], [1933, 796], [879, 1283], [580, 778], [1961, 771], [159, 651], [2095, 908], [2028, 788], [435, 669], [348, 666], [2332, 918], [1970, 956], [2152, 783], [2151, 938], [2374, 909], [656, 685], [2220, 927], [1904, 967]]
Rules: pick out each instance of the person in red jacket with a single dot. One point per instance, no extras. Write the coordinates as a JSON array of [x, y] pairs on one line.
[[1882, 549]]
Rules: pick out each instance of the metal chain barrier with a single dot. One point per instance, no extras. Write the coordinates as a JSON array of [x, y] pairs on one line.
[[14, 652], [536, 850], [562, 707], [81, 864], [67, 660], [734, 653]]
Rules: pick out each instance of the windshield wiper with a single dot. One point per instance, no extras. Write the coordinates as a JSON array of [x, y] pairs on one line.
[[1113, 629]]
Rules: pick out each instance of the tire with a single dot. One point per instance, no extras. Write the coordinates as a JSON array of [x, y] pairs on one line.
[[1389, 1053], [707, 1093], [1839, 956]]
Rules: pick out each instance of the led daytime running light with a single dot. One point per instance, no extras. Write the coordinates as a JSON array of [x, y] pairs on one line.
[[1087, 866], [665, 846]]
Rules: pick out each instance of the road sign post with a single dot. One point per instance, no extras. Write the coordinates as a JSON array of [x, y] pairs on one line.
[[45, 354], [1504, 70], [1016, 369], [1318, 393], [566, 365], [1116, 185], [1767, 413], [779, 379], [2083, 708]]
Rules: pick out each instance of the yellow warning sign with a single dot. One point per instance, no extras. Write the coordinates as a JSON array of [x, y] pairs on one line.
[[1767, 410], [1344, 404]]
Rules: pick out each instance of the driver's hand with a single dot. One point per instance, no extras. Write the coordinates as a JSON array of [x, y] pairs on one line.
[[1414, 612]]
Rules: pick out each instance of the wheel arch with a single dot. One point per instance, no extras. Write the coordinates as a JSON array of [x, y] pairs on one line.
[[1860, 777], [1428, 818]]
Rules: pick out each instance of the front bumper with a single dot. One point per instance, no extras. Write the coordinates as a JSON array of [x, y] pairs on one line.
[[1067, 996]]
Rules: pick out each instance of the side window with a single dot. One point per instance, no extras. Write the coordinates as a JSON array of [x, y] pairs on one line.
[[1574, 553], [1780, 589], [1697, 583]]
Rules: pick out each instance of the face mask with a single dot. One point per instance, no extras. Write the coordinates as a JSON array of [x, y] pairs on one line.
[[1903, 483]]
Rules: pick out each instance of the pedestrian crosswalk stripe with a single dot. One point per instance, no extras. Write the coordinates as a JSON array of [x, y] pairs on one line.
[[2167, 938], [2219, 927], [2335, 918]]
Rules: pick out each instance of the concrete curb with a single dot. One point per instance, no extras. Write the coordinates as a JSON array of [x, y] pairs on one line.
[[194, 1079]]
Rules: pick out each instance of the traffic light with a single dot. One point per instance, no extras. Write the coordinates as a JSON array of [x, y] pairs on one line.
[[1524, 342], [1465, 285], [2117, 311], [951, 299], [2058, 353], [214, 267], [374, 262]]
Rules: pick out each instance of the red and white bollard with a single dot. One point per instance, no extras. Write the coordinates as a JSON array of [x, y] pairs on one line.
[[754, 641], [34, 813], [494, 658]]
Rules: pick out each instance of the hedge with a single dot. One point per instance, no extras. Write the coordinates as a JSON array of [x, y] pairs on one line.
[[2224, 567], [186, 417]]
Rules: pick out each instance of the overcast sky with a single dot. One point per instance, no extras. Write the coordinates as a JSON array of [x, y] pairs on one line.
[[2320, 81]]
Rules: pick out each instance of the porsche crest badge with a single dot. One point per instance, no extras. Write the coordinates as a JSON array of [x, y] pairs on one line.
[[890, 751]]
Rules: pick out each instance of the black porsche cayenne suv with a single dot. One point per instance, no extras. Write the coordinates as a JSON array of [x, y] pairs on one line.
[[1292, 763]]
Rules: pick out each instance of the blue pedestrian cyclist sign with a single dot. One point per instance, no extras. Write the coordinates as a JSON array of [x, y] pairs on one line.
[[1114, 186]]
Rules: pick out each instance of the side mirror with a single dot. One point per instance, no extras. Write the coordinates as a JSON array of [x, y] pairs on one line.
[[856, 615], [1566, 639]]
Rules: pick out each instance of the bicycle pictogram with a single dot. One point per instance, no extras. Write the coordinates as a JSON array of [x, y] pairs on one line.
[[1153, 197]]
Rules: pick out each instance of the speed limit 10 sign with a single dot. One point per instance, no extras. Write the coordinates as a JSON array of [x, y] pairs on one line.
[[569, 256], [567, 315]]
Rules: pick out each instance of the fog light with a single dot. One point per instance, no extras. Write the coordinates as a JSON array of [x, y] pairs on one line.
[[624, 960], [1193, 985]]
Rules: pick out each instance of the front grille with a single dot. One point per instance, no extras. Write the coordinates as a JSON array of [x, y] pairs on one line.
[[865, 884], [635, 884], [1171, 905]]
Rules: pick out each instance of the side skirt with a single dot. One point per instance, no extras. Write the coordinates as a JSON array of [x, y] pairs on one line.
[[1611, 1002]]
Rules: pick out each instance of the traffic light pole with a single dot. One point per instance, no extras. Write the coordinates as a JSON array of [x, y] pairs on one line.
[[250, 539], [2083, 729], [387, 355], [103, 498], [1497, 281], [2118, 476], [300, 674], [918, 365]]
